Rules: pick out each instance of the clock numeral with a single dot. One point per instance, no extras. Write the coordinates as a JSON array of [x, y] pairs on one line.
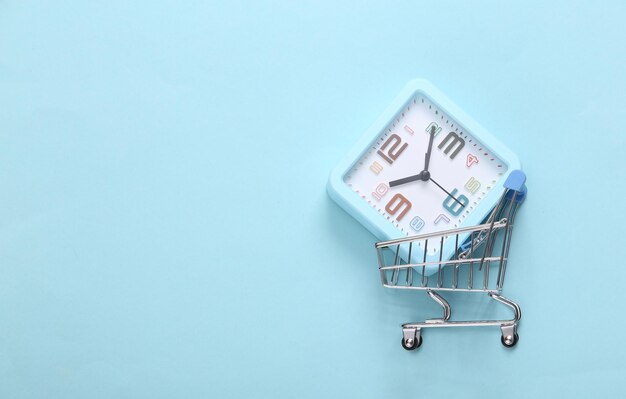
[[442, 217], [455, 139], [417, 223], [376, 168], [454, 207], [393, 152], [433, 125], [380, 191], [398, 203], [471, 160], [472, 185]]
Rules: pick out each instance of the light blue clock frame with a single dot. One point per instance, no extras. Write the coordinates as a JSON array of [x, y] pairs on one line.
[[368, 216]]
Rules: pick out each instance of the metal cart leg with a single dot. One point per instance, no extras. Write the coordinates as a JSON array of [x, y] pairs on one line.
[[412, 335], [447, 311], [509, 330]]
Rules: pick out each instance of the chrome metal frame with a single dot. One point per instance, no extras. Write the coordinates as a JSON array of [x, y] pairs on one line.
[[485, 251]]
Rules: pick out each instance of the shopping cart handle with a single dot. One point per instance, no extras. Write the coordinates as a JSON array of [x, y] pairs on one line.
[[516, 182]]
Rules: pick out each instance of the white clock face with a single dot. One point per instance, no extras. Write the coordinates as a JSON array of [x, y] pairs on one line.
[[460, 173]]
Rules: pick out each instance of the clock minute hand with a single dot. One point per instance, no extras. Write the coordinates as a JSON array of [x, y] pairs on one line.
[[419, 176], [446, 191], [430, 148]]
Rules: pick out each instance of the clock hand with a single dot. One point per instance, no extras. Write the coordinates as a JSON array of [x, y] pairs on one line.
[[424, 176], [446, 191], [430, 148]]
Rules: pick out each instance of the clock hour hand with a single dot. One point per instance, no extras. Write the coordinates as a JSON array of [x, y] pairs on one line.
[[424, 176], [430, 148], [446, 191]]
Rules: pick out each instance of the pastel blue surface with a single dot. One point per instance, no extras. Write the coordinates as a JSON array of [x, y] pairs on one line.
[[164, 225]]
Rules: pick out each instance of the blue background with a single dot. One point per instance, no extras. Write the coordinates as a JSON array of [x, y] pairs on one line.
[[164, 226]]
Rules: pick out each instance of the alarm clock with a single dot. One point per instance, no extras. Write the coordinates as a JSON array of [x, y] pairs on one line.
[[424, 166]]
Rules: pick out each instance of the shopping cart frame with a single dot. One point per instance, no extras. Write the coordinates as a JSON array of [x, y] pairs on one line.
[[473, 258]]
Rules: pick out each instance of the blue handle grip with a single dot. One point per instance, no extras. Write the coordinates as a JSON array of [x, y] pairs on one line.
[[516, 182]]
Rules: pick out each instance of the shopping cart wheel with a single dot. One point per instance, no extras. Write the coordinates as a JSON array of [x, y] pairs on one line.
[[411, 343], [509, 341]]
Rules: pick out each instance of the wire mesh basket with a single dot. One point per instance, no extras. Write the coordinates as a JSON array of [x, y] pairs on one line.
[[479, 264]]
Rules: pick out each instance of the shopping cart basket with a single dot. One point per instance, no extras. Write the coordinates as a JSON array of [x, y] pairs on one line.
[[479, 264]]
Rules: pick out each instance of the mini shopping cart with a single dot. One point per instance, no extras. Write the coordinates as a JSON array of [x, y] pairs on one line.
[[478, 265]]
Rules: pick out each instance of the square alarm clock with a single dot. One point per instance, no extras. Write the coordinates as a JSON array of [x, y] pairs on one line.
[[424, 166]]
